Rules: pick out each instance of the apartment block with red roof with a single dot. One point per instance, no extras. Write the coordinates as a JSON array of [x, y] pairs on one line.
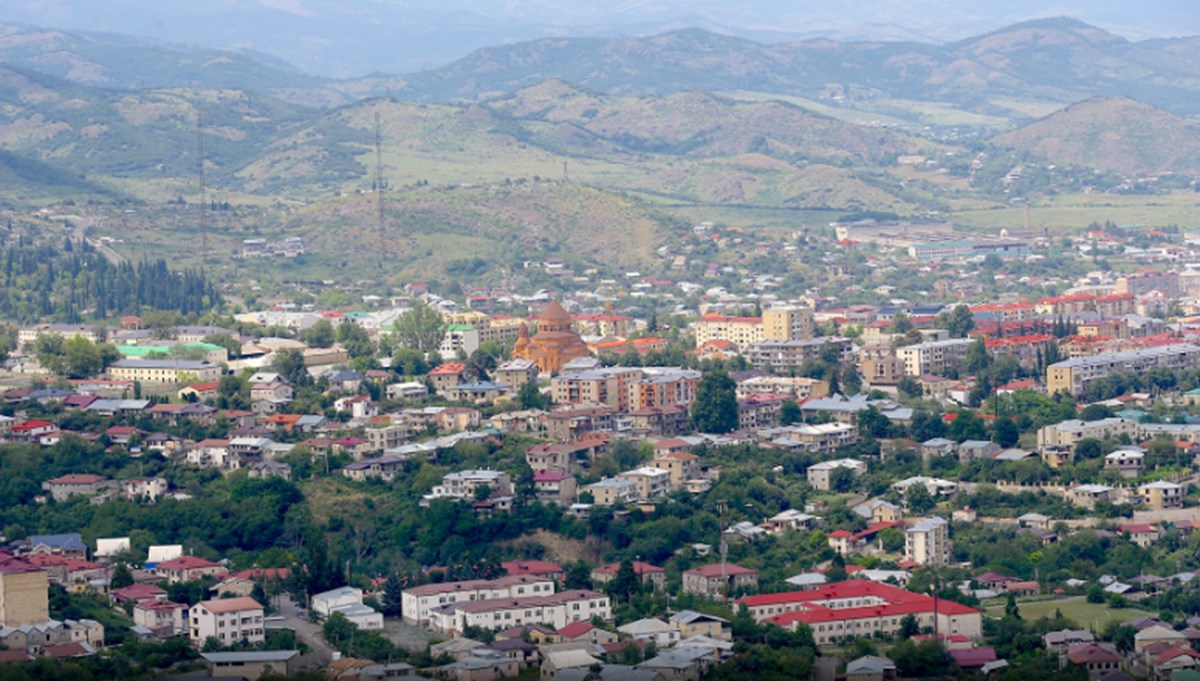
[[858, 608], [447, 375], [649, 575]]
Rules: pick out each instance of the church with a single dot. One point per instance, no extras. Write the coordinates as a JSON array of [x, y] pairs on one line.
[[555, 342]]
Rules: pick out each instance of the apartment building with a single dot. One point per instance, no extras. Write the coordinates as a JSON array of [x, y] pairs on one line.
[[741, 331], [608, 387], [418, 601], [1026, 349], [928, 542], [680, 466], [788, 322], [1141, 283], [861, 609], [1076, 375], [820, 475], [663, 388], [1069, 433], [229, 621], [821, 437], [555, 610], [611, 491], [650, 482], [465, 484], [934, 357], [164, 371], [1161, 495], [785, 354], [719, 580]]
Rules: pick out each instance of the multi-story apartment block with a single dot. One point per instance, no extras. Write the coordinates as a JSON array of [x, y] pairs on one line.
[[465, 484], [1026, 349], [820, 475], [1161, 494], [1069, 433], [1076, 375], [384, 437], [164, 371], [741, 331], [718, 580], [651, 482], [662, 388], [1141, 283], [787, 322], [609, 387], [418, 601], [821, 437], [786, 354], [611, 491], [681, 466], [934, 357], [928, 542], [555, 610], [229, 621]]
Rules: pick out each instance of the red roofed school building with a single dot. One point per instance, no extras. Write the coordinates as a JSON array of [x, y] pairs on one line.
[[857, 608]]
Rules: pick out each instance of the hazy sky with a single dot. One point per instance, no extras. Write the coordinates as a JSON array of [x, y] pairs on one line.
[[345, 37]]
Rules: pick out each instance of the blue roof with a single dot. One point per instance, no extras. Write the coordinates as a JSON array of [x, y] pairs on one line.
[[64, 542]]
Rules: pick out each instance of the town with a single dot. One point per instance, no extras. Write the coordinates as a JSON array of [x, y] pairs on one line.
[[979, 459]]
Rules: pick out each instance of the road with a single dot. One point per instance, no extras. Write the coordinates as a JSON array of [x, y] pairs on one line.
[[296, 619]]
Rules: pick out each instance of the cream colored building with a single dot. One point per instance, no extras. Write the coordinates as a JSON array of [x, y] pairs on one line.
[[928, 542], [651, 482], [556, 610], [1160, 495], [229, 620], [1069, 433], [417, 602], [681, 466], [741, 331], [1076, 375], [933, 357], [164, 371]]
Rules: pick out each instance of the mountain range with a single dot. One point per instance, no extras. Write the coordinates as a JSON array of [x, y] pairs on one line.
[[1046, 62]]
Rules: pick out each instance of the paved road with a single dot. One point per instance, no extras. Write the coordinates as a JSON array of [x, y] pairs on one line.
[[296, 619]]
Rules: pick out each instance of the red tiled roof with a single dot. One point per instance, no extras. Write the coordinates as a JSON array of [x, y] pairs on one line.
[[449, 369], [11, 565], [31, 425], [531, 567], [1092, 653], [716, 569], [263, 573], [78, 479], [225, 605], [639, 568], [575, 629], [186, 563]]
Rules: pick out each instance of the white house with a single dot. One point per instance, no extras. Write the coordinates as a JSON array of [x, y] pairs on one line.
[[348, 601]]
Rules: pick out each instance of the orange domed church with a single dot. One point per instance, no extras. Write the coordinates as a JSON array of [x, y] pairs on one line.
[[555, 342]]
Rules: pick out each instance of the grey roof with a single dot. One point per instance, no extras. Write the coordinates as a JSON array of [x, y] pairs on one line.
[[252, 656], [177, 364], [689, 616], [63, 542], [870, 664]]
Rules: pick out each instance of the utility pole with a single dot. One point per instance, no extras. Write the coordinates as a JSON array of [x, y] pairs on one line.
[[722, 505]]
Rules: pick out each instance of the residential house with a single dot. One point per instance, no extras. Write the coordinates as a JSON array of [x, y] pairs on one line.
[[187, 569], [229, 621], [718, 580], [820, 475], [64, 487], [649, 575]]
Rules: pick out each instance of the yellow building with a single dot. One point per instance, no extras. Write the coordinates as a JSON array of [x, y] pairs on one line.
[[788, 322], [24, 593], [741, 331]]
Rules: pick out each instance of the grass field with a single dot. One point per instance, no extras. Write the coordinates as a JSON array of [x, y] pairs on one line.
[[1075, 608], [1076, 211]]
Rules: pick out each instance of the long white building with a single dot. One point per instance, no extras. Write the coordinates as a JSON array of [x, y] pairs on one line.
[[418, 601], [555, 610]]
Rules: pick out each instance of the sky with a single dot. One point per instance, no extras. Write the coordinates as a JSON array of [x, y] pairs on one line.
[[352, 37]]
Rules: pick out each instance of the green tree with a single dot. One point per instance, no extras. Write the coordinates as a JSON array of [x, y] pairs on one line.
[[289, 363], [957, 321], [625, 584], [121, 577], [715, 408], [393, 590], [530, 397], [789, 413], [919, 499], [319, 335], [926, 426], [1005, 432], [967, 426], [977, 358], [420, 329], [910, 387]]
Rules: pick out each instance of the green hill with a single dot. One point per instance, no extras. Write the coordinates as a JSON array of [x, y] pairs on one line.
[[1111, 133]]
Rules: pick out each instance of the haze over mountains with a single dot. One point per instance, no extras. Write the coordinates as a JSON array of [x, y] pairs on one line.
[[345, 39]]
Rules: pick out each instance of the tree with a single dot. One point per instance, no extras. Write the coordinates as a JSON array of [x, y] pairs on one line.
[[919, 499], [355, 339], [910, 387], [977, 358], [892, 540], [841, 480], [900, 324], [1010, 606], [909, 627], [578, 576], [121, 577], [289, 363], [789, 413], [319, 335], [393, 590], [1095, 412], [967, 426], [1088, 448], [872, 422], [926, 426], [84, 359], [338, 629], [530, 397], [958, 321], [715, 409], [625, 584], [420, 329], [1005, 432]]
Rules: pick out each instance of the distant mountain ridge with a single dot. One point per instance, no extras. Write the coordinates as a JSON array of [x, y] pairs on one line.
[[1057, 61]]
